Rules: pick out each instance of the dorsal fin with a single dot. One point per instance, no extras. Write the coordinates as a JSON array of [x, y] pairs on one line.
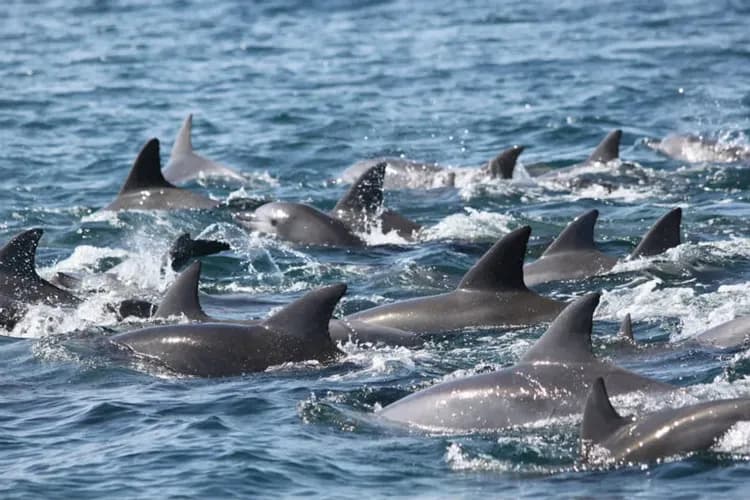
[[501, 267], [626, 328], [183, 144], [503, 165], [18, 256], [600, 420], [568, 338], [608, 149], [186, 248], [309, 315], [365, 196], [578, 235], [146, 171], [663, 235], [182, 296]]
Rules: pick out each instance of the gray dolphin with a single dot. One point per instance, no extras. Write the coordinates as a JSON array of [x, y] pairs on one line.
[[356, 211], [657, 435], [299, 332], [182, 299], [573, 254], [697, 148], [405, 173], [606, 151], [551, 380], [185, 165], [147, 189], [491, 293], [732, 334]]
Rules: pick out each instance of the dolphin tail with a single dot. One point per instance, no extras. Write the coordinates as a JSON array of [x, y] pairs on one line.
[[663, 235], [365, 196], [501, 267], [626, 329], [184, 249], [600, 419], [608, 149], [183, 144], [18, 256], [503, 165], [182, 296], [578, 235], [146, 171], [309, 315], [568, 338]]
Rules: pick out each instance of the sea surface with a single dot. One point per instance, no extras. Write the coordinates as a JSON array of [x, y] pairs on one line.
[[291, 93]]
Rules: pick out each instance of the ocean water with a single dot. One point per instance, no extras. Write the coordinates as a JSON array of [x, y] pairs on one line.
[[291, 93]]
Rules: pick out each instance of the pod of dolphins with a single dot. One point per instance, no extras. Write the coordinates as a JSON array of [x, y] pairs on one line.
[[558, 376]]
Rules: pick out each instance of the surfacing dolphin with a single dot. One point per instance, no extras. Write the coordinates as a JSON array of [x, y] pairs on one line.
[[186, 165], [573, 254], [551, 380], [608, 437], [412, 174], [182, 299], [698, 149], [359, 209], [730, 335], [299, 332], [491, 293], [147, 189], [606, 151]]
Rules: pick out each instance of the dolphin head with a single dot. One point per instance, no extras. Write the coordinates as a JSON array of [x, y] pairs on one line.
[[272, 218]]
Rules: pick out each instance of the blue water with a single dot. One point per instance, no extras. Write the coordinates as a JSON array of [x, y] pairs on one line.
[[291, 93]]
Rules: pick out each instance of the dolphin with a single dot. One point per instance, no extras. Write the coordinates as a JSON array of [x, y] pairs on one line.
[[730, 335], [185, 165], [551, 380], [299, 332], [697, 148], [359, 209], [147, 189], [573, 254], [606, 151], [491, 293], [608, 437], [404, 173], [182, 299]]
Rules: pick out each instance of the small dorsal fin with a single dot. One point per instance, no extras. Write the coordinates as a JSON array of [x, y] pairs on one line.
[[501, 267], [568, 338], [18, 256], [182, 296], [186, 248], [626, 328], [608, 149], [309, 315], [146, 171], [578, 235], [503, 165], [663, 235], [600, 420], [365, 196], [183, 144]]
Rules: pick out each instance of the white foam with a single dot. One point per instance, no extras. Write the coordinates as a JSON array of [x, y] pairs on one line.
[[473, 224]]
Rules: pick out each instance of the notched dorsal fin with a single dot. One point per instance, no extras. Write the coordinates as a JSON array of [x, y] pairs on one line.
[[608, 149], [183, 144], [365, 196], [186, 248], [578, 235], [626, 328], [501, 267], [568, 338], [600, 419], [182, 296], [503, 165], [662, 236], [18, 256], [146, 171], [309, 315]]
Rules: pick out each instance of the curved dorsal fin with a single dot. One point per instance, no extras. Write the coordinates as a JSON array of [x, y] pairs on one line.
[[309, 315], [501, 267], [578, 235], [182, 296], [365, 196], [568, 338], [183, 144], [18, 256], [626, 328], [503, 165], [663, 235], [146, 171], [600, 419], [608, 149]]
